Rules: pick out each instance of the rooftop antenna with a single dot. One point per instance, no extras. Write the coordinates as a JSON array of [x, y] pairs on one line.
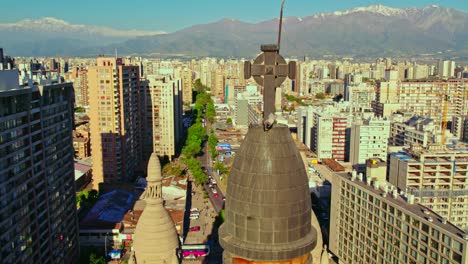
[[280, 24], [115, 53]]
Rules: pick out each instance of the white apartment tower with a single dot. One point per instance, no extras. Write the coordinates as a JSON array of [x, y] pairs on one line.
[[165, 108], [369, 139]]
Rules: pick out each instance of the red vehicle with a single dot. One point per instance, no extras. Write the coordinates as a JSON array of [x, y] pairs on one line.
[[195, 228], [195, 251], [215, 192]]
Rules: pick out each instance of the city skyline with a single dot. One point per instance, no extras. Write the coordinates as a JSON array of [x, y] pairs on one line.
[[174, 132], [154, 16]]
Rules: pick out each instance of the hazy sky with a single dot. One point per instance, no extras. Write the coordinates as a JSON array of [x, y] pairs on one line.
[[173, 15]]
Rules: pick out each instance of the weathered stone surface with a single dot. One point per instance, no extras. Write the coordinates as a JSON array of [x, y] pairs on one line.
[[268, 206]]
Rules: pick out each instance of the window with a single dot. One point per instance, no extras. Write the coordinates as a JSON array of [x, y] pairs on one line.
[[457, 245]]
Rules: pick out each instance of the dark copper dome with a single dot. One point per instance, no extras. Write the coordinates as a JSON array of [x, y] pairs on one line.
[[268, 206]]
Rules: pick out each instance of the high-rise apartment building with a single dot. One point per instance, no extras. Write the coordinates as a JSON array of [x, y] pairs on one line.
[[242, 103], [79, 78], [114, 119], [37, 190], [187, 85], [324, 131], [446, 69], [414, 130], [360, 95], [374, 224], [425, 98], [369, 139], [164, 107], [437, 176]]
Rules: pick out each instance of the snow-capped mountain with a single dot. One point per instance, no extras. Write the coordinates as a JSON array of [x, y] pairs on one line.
[[48, 35], [377, 9], [375, 30], [54, 25]]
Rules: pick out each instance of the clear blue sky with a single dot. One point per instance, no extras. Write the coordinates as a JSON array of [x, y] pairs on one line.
[[173, 15]]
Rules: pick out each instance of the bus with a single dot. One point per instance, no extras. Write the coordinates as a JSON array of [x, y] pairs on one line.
[[195, 251]]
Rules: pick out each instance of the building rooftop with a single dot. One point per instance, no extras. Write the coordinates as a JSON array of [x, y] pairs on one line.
[[109, 210], [401, 202]]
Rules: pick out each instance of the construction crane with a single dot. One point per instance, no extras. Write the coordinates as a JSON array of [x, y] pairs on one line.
[[447, 98]]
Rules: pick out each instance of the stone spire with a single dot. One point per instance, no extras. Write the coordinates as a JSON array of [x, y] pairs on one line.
[[324, 259], [155, 239]]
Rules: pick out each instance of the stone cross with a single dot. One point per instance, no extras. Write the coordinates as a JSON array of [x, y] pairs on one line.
[[269, 70]]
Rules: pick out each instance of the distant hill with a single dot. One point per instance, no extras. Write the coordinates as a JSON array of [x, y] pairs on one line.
[[364, 31], [49, 36]]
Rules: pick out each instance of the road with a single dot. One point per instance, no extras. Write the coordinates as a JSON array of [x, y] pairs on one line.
[[207, 164], [209, 209]]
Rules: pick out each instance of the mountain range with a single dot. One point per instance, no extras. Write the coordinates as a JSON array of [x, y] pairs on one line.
[[375, 30]]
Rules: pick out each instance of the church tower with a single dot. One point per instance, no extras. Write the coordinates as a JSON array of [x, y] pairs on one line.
[[156, 240]]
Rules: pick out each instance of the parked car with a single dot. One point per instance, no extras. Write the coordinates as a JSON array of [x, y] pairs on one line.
[[194, 210], [215, 192], [194, 228], [194, 216]]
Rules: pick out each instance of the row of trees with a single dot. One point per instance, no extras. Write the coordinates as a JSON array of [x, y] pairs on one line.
[[196, 134], [212, 141]]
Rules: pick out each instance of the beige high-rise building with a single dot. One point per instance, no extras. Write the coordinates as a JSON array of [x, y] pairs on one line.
[[370, 222], [164, 105], [437, 176], [114, 120], [217, 83], [187, 85]]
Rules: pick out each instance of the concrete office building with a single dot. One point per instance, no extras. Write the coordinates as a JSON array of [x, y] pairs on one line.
[[369, 139], [437, 176], [37, 189], [371, 223], [164, 113], [114, 119]]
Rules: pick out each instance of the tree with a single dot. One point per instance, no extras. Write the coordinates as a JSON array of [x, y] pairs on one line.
[[93, 259], [210, 111], [173, 170], [221, 168], [320, 96], [229, 121], [212, 141]]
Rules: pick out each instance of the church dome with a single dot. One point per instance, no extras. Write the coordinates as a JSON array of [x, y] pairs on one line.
[[268, 206]]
